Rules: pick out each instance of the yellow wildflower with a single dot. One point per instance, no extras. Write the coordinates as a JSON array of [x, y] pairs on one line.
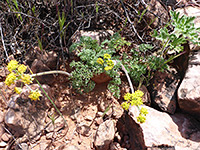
[[34, 95], [110, 63], [12, 65], [136, 101], [127, 96], [141, 118], [10, 79], [18, 90], [26, 78], [100, 61], [125, 105], [108, 68], [22, 68], [144, 111], [139, 93], [107, 56]]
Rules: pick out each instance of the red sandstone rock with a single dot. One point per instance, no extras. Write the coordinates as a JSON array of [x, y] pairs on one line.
[[179, 131], [189, 90], [104, 135]]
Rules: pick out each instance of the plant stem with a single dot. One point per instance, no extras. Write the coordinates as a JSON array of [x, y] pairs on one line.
[[52, 102], [50, 72], [128, 78], [164, 46]]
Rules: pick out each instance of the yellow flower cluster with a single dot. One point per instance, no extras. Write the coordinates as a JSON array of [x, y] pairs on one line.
[[109, 63], [12, 65], [22, 68], [34, 95], [10, 79], [26, 78], [135, 99], [17, 73], [142, 116], [100, 61], [107, 56], [18, 90]]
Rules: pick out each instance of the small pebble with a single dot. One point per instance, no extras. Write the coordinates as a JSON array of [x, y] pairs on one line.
[[24, 146], [99, 121], [5, 137], [88, 118], [3, 144]]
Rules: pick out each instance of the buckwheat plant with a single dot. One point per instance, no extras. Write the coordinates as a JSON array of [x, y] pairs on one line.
[[17, 73], [96, 59], [135, 99]]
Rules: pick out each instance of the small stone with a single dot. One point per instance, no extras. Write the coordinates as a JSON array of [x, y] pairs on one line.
[[83, 130], [58, 144], [104, 135], [10, 117], [49, 135], [99, 114], [117, 109], [146, 97], [58, 124], [39, 66], [1, 116], [88, 118], [118, 137], [115, 146], [3, 144], [99, 120], [12, 102], [1, 130], [71, 147], [6, 137], [24, 146]]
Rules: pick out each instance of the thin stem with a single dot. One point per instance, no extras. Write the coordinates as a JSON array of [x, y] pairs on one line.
[[164, 46], [129, 20], [173, 57], [51, 72], [128, 78], [52, 102], [3, 42]]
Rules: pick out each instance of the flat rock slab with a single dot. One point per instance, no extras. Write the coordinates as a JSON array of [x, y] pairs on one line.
[[189, 90], [177, 131]]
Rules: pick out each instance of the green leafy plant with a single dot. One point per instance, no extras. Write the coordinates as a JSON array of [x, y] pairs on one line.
[[96, 59], [184, 31], [141, 66]]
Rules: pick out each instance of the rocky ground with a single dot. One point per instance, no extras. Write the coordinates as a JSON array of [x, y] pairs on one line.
[[96, 120]]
